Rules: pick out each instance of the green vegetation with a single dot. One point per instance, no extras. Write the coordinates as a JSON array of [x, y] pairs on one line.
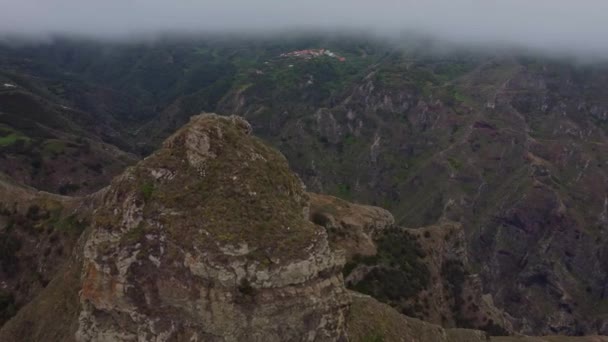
[[398, 271], [8, 140], [10, 137], [449, 70], [453, 275], [373, 337], [147, 190], [53, 147], [71, 224], [344, 191], [494, 329], [455, 164]]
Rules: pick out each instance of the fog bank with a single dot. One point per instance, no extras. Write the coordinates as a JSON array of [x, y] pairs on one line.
[[560, 26]]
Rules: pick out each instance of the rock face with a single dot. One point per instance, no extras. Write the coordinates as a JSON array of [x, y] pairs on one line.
[[424, 273], [351, 227], [457, 300], [208, 239], [370, 320], [37, 233], [513, 149]]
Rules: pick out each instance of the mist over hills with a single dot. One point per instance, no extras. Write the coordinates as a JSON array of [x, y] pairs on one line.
[[556, 27], [491, 162]]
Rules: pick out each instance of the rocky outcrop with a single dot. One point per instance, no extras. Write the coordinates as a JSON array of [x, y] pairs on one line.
[[425, 273], [511, 148], [208, 239], [351, 227], [370, 320], [458, 297]]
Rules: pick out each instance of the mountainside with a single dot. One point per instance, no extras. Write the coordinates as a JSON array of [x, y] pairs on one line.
[[512, 150], [53, 147], [494, 167], [38, 231], [165, 257]]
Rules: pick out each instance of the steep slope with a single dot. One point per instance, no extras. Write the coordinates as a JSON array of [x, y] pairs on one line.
[[350, 227], [38, 231], [370, 320], [511, 148], [48, 145]]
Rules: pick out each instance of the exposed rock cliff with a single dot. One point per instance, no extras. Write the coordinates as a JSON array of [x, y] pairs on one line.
[[208, 239], [351, 227], [513, 148]]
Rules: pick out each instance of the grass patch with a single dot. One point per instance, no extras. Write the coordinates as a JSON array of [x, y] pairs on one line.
[[53, 147], [12, 138], [373, 337], [455, 164], [344, 191], [71, 224], [8, 140], [147, 190]]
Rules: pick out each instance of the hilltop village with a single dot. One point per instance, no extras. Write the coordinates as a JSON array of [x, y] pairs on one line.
[[312, 53]]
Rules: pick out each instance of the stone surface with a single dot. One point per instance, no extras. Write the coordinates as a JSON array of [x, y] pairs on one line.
[[370, 320], [161, 265], [351, 227]]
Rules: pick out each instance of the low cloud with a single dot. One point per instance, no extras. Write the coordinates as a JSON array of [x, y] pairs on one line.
[[561, 26]]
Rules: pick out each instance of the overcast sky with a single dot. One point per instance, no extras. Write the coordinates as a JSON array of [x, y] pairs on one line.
[[558, 25]]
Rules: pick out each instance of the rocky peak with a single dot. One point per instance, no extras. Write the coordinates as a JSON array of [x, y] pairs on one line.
[[207, 239]]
